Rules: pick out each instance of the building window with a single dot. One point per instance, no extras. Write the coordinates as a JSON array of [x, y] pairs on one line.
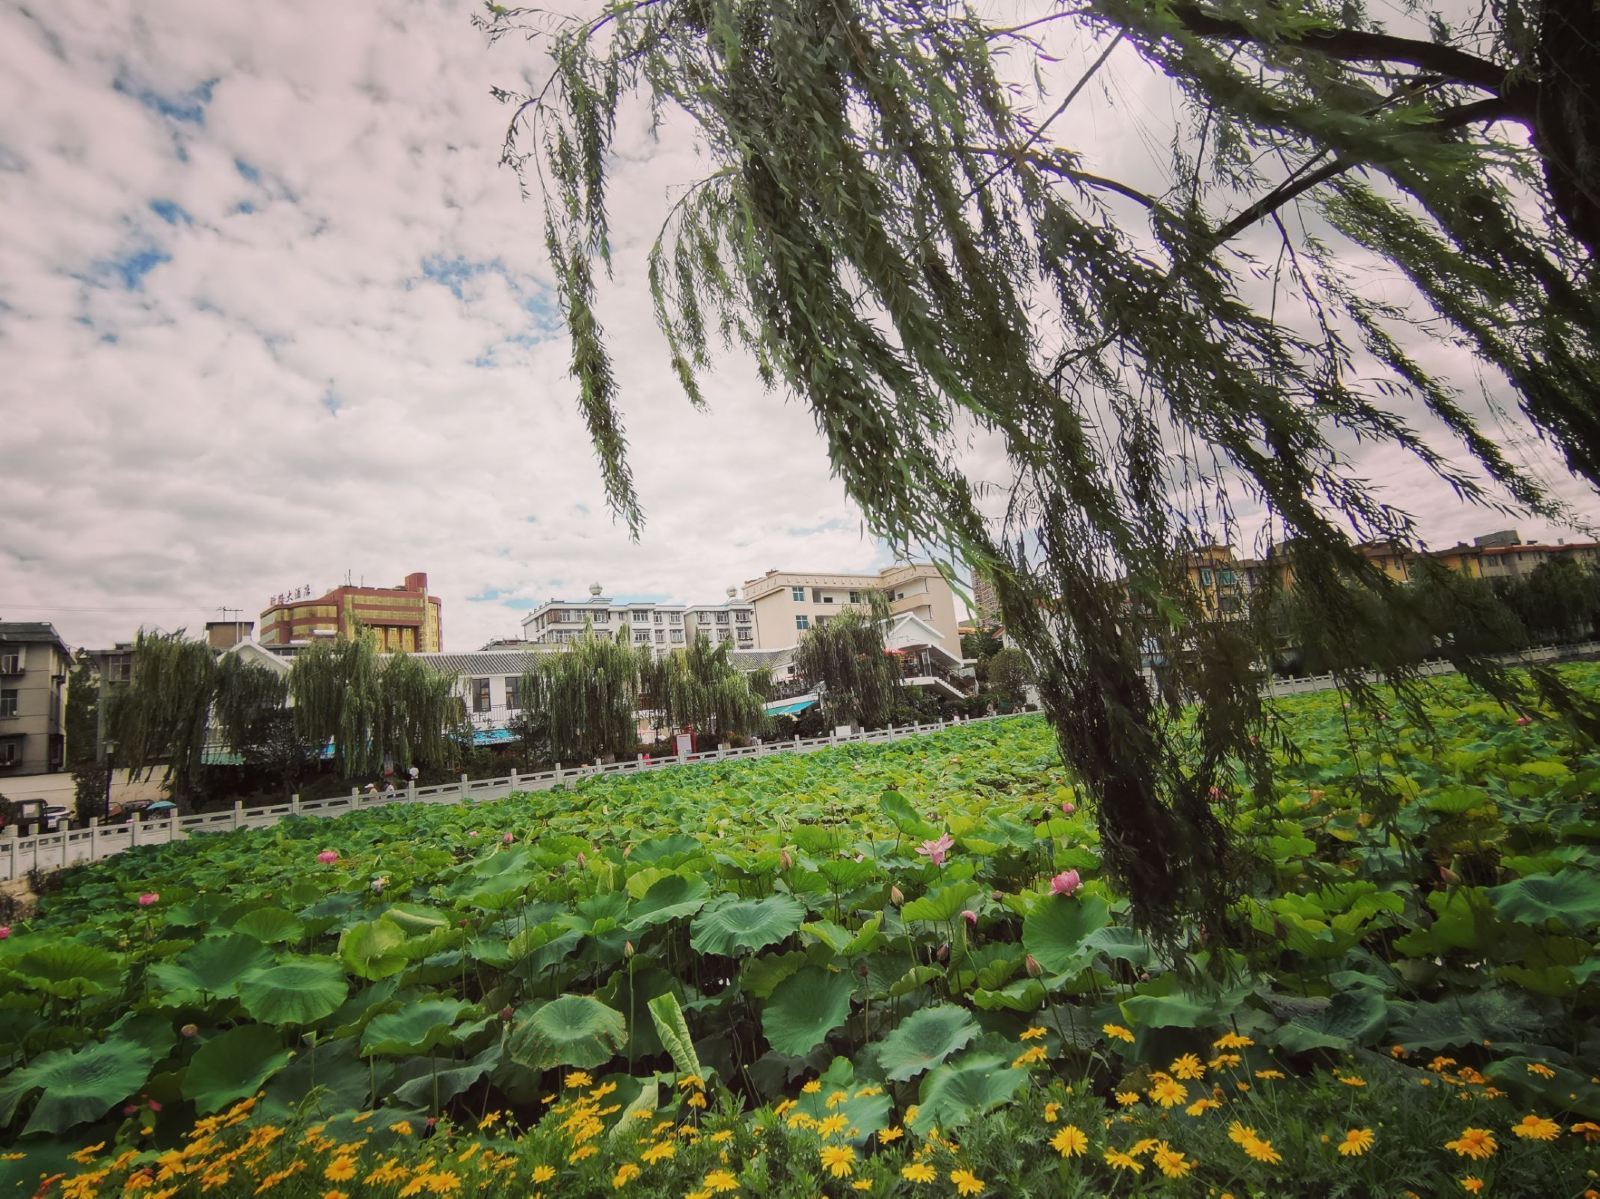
[[797, 594], [742, 617], [661, 636], [1205, 578], [705, 617], [601, 616], [10, 663], [480, 695], [722, 618], [658, 618], [677, 636], [1227, 578], [802, 621], [744, 634], [642, 615], [1230, 604], [513, 698], [855, 597]]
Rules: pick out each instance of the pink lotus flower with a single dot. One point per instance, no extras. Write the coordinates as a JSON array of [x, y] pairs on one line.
[[1065, 883], [148, 898], [130, 1109], [509, 838], [155, 1105], [1068, 807], [970, 917], [5, 931], [935, 851], [328, 857], [473, 833], [1523, 722]]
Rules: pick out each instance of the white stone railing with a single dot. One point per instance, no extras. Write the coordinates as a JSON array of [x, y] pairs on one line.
[[48, 852]]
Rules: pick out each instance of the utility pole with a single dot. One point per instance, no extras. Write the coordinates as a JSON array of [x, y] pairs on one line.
[[237, 612]]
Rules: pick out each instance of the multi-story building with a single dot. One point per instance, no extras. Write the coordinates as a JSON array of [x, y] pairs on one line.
[[663, 627], [787, 603], [34, 662], [489, 683], [985, 602], [404, 618]]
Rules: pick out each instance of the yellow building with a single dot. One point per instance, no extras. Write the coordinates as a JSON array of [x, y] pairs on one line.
[[787, 603], [404, 618]]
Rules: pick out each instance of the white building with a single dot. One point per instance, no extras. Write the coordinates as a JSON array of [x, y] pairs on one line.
[[663, 627]]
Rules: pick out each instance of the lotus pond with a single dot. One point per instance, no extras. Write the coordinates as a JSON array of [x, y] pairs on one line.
[[889, 970]]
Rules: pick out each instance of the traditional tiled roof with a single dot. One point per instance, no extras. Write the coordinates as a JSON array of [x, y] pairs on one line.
[[486, 662]]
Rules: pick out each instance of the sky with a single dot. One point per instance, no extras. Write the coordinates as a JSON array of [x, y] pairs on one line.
[[273, 315]]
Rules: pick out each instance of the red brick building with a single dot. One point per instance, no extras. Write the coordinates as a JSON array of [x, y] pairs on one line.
[[404, 618]]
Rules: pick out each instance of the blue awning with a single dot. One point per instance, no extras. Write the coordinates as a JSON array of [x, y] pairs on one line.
[[792, 709], [493, 737]]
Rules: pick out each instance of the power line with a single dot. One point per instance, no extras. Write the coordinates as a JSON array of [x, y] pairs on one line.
[[152, 608]]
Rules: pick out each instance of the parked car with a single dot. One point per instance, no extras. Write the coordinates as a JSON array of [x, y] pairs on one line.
[[56, 818]]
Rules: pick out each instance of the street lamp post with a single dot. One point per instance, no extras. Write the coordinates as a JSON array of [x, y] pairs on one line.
[[110, 756]]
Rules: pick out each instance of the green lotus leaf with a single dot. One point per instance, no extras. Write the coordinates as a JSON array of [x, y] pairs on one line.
[[954, 1093], [669, 898], [213, 966], [1350, 1018], [75, 1085], [270, 926], [69, 969], [373, 949], [924, 1039], [943, 905], [415, 1028], [297, 991], [233, 1066], [1056, 930], [730, 925], [1571, 897], [447, 1082], [667, 1015], [572, 1030], [805, 1008]]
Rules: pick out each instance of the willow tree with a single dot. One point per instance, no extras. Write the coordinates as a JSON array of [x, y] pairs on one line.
[[183, 699], [373, 708], [886, 223], [699, 687], [857, 678], [588, 696]]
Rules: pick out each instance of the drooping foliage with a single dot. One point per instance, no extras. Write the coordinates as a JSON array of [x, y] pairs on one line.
[[588, 696], [163, 715], [373, 708], [699, 687], [886, 225], [845, 659]]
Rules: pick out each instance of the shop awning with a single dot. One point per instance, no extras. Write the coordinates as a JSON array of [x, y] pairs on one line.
[[793, 708]]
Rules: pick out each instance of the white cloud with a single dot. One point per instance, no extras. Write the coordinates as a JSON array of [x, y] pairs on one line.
[[270, 311]]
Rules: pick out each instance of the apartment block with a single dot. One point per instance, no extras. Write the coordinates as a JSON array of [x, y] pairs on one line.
[[404, 618], [34, 663], [662, 627], [787, 603]]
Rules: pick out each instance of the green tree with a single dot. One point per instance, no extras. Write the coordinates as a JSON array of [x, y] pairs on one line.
[[845, 659], [699, 687], [587, 697], [1010, 673], [164, 715], [83, 743], [373, 708], [890, 228]]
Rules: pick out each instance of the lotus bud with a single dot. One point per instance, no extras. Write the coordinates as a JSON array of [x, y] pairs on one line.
[[997, 896], [1031, 965], [1254, 740], [1144, 976], [785, 859], [1068, 807], [509, 838], [378, 884], [627, 949], [5, 931], [155, 1105], [583, 861], [1523, 722], [896, 896], [433, 1122], [189, 1030], [944, 952], [462, 923], [131, 1110], [1449, 875], [971, 918], [328, 857], [148, 898], [473, 833], [1214, 793], [506, 1013]]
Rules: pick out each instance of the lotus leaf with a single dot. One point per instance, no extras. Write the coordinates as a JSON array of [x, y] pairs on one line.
[[805, 1008], [296, 991], [572, 1030], [924, 1039], [233, 1066], [75, 1085], [730, 925]]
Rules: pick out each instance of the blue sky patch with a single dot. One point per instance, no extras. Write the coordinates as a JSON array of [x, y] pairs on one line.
[[249, 171], [131, 267], [331, 401], [188, 107], [171, 212]]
